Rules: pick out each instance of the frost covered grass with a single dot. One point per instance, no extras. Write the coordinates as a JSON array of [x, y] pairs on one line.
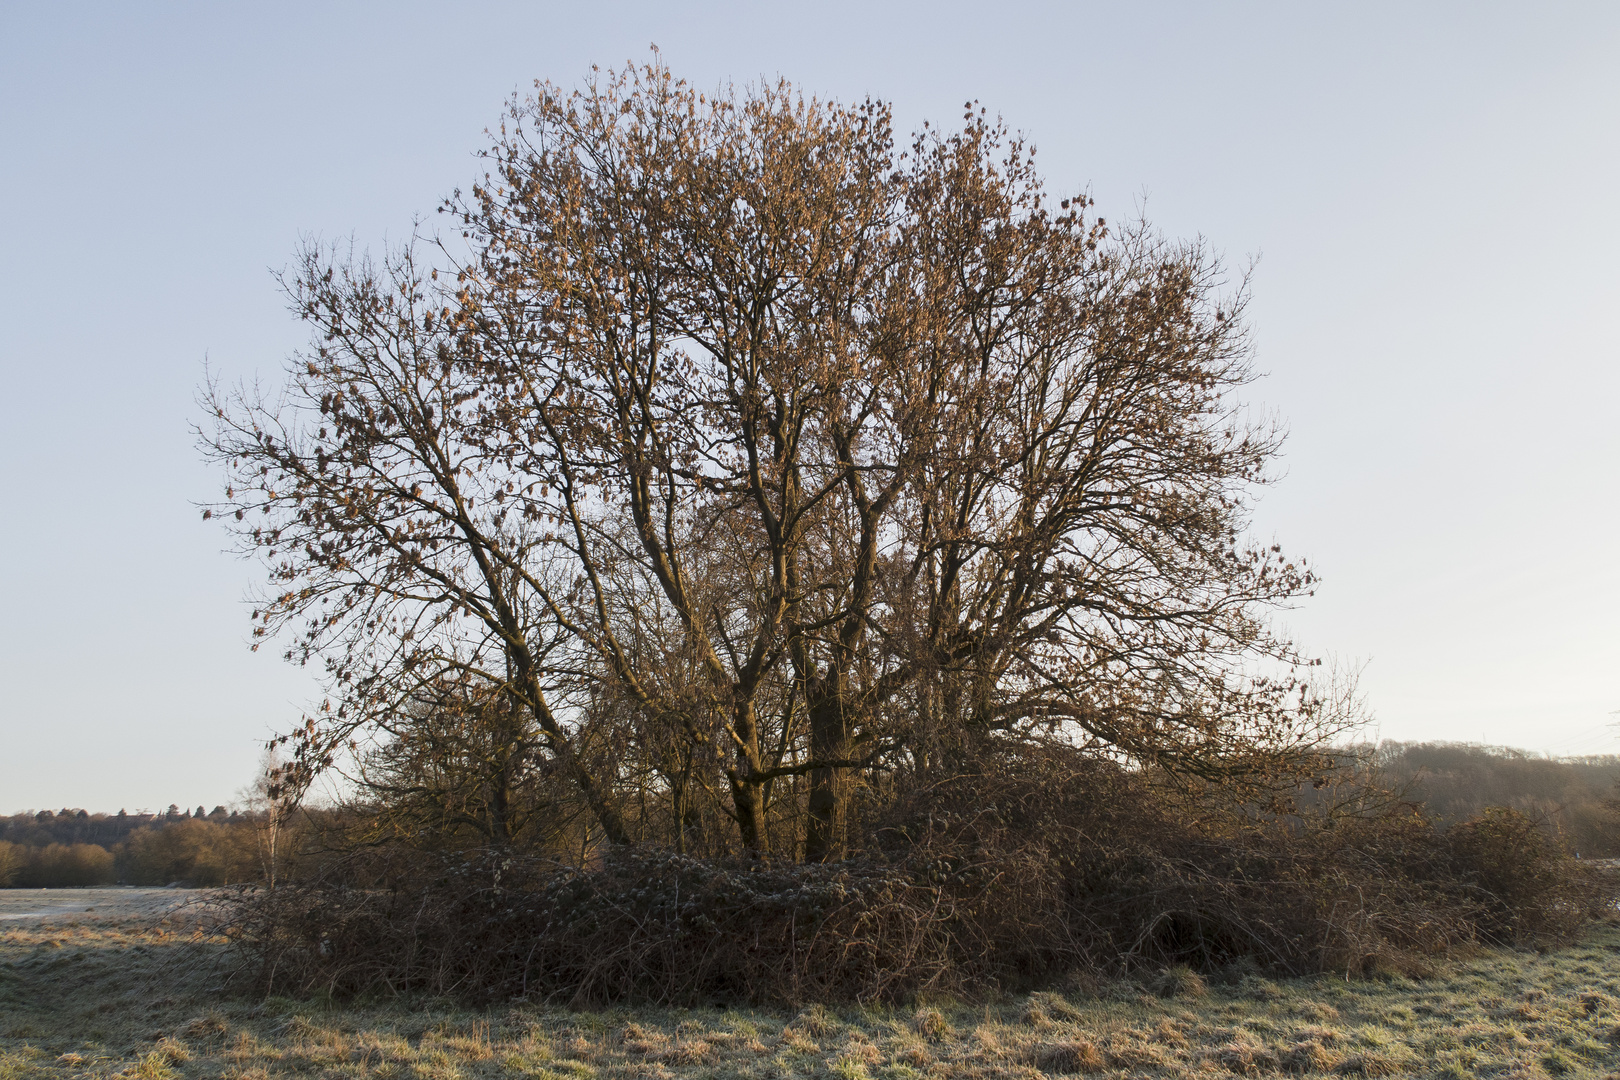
[[134, 997]]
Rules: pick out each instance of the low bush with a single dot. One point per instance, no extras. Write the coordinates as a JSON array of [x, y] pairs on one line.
[[1525, 887], [1011, 878]]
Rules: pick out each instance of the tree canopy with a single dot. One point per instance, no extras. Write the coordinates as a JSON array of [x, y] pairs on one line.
[[728, 466]]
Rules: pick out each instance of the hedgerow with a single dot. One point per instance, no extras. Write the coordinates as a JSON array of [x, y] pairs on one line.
[[1005, 879]]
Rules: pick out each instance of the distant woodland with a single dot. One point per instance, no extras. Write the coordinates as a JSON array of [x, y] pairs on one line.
[[1573, 799], [73, 847]]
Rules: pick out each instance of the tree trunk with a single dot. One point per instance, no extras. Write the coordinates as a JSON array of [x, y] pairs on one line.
[[747, 790], [829, 742], [602, 808], [500, 810], [683, 803]]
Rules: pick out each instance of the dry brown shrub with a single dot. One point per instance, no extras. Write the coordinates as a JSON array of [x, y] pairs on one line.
[[1137, 872], [1526, 887], [1019, 876], [647, 926]]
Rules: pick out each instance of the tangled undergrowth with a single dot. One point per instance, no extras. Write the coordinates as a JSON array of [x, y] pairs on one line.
[[83, 999], [1004, 882]]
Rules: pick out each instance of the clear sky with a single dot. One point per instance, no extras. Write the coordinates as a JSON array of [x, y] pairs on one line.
[[1431, 190]]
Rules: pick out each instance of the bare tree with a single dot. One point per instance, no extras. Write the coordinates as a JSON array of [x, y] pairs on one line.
[[1071, 552], [462, 760], [270, 803], [371, 495], [678, 295], [736, 458]]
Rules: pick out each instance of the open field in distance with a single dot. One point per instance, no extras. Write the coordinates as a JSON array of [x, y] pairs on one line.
[[131, 909], [127, 983]]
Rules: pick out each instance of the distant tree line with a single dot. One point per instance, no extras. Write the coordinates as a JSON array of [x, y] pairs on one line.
[[1576, 800], [1573, 797], [72, 847], [72, 825]]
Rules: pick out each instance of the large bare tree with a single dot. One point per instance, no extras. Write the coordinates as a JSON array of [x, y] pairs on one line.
[[734, 455]]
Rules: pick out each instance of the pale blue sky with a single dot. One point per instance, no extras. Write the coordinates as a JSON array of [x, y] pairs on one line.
[[1431, 189]]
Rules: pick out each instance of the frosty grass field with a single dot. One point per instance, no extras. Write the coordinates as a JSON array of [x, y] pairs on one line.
[[129, 982]]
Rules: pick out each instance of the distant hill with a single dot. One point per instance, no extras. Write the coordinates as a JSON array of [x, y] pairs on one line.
[[1455, 781]]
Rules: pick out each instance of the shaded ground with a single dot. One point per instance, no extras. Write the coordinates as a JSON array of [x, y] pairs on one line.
[[130, 983]]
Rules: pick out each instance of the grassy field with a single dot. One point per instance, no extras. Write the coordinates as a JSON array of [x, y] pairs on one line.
[[109, 983]]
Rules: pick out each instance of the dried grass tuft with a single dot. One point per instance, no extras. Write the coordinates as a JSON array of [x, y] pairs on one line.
[[1246, 1058], [931, 1024], [1178, 980], [1070, 1057], [1372, 1063], [1307, 1056]]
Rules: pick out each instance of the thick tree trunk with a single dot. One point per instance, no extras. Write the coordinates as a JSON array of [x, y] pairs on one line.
[[683, 804], [507, 718], [829, 742], [749, 801], [747, 790]]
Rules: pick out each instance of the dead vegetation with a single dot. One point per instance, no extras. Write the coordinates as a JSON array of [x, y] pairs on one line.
[[1044, 871], [129, 998]]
